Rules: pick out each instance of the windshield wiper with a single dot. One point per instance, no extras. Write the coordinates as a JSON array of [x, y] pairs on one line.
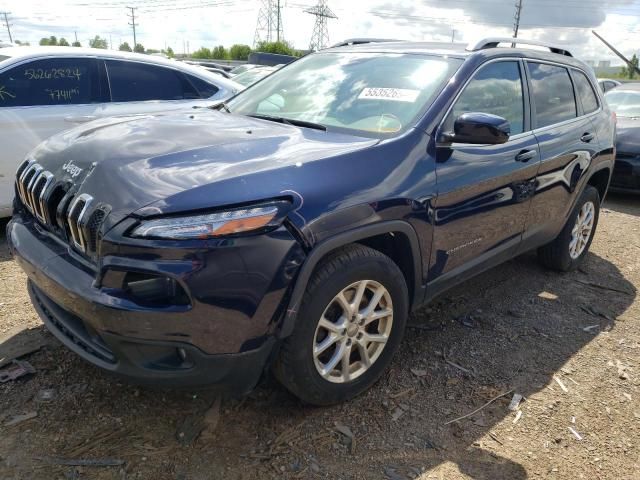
[[290, 121], [221, 106]]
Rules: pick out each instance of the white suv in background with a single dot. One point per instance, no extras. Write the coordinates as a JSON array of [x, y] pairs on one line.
[[46, 90]]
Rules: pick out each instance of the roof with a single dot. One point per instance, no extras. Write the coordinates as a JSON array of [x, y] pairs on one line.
[[25, 53]]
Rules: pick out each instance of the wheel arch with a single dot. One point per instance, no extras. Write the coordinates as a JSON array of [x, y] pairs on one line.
[[390, 237], [600, 181]]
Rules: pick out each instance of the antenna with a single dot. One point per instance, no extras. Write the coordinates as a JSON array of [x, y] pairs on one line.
[[320, 35]]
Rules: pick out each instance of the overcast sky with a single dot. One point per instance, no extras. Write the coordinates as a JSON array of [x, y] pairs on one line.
[[213, 22]]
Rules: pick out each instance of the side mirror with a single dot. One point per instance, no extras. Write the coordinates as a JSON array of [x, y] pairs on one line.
[[479, 129]]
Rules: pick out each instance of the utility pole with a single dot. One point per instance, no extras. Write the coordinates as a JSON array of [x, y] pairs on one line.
[[516, 25], [133, 24], [453, 35], [278, 23], [76, 35], [7, 24]]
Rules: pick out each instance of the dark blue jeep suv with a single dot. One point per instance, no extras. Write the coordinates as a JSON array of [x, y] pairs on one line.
[[295, 227]]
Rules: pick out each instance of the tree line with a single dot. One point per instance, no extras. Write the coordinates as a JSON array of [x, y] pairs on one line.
[[235, 52]]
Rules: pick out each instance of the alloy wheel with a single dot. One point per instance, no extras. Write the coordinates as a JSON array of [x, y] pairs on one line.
[[582, 230], [353, 331]]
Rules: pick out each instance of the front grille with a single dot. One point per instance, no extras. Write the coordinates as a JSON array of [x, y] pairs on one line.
[[75, 218]]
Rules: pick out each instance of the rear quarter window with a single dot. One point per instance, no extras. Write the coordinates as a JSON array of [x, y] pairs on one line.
[[52, 81], [205, 89], [585, 92], [552, 94]]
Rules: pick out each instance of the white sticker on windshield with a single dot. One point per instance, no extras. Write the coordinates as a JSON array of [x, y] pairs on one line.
[[393, 94]]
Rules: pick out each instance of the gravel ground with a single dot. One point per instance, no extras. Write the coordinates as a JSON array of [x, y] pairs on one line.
[[570, 344]]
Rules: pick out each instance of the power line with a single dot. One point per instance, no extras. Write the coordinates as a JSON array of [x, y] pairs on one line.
[[7, 24], [133, 24], [320, 35]]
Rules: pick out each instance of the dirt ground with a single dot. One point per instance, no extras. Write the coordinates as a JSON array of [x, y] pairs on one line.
[[570, 344]]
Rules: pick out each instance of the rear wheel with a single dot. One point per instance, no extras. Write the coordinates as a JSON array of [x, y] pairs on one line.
[[569, 248], [350, 324]]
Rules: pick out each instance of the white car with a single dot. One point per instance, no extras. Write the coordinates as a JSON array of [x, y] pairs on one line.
[[46, 90]]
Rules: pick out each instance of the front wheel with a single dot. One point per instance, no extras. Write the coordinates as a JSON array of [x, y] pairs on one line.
[[351, 322], [569, 248]]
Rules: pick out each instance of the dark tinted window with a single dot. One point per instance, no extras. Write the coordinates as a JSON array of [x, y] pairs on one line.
[[136, 82], [585, 92], [495, 89], [205, 89], [552, 93], [59, 81], [608, 86]]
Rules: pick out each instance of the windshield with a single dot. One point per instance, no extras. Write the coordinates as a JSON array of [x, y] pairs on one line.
[[625, 103], [367, 92]]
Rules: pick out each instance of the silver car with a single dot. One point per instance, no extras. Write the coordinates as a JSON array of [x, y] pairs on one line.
[[46, 90]]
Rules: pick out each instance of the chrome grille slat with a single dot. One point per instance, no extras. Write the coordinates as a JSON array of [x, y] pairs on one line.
[[42, 212], [83, 203]]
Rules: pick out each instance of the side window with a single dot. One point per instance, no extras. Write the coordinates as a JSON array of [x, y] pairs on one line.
[[495, 89], [608, 86], [552, 94], [206, 90], [138, 82], [52, 81], [585, 92]]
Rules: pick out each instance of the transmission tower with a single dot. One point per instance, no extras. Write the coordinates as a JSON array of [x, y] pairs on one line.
[[269, 26], [320, 35]]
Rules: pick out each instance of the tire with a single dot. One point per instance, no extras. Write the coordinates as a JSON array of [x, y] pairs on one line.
[[349, 270], [558, 255]]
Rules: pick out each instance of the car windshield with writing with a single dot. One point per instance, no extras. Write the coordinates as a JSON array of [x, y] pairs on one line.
[[370, 94], [624, 102]]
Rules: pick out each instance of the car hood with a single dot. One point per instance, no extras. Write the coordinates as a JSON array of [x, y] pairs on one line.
[[131, 162], [628, 135]]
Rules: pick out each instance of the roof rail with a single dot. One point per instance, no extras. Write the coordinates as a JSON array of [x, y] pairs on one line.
[[494, 42]]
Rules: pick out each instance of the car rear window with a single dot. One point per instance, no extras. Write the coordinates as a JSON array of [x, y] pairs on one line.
[[205, 89], [585, 92], [552, 94], [51, 81], [139, 82]]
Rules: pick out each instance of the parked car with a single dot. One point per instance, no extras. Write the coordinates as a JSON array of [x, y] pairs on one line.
[[242, 68], [45, 90], [295, 227], [625, 101], [607, 84], [253, 75]]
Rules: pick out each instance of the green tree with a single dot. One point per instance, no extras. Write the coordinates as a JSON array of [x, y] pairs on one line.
[[63, 42], [628, 71], [239, 52], [282, 47], [98, 42], [170, 53], [76, 44], [124, 47], [220, 53], [203, 52], [51, 41], [138, 48]]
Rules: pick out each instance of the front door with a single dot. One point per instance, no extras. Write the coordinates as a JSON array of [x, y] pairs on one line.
[[484, 191]]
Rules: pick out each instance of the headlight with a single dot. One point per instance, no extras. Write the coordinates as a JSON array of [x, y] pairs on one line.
[[213, 224]]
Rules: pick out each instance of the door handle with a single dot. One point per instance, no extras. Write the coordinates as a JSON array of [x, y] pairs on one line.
[[587, 137], [79, 118], [525, 155]]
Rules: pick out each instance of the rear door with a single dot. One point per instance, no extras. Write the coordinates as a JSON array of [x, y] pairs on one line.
[[568, 141], [484, 191], [139, 88], [39, 98]]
